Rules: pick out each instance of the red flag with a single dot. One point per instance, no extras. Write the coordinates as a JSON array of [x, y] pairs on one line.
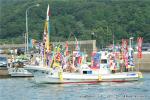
[[66, 51], [139, 41], [124, 47], [125, 51]]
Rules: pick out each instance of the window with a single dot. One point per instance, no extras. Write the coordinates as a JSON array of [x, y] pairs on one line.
[[103, 61]]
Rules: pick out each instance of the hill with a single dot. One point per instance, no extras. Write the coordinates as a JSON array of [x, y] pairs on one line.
[[104, 18]]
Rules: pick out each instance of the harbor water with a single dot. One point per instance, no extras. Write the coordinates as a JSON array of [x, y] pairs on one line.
[[27, 89]]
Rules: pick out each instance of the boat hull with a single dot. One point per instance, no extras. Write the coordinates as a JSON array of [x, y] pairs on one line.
[[44, 75]]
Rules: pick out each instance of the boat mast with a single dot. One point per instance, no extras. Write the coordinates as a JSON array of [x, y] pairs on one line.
[[46, 36]]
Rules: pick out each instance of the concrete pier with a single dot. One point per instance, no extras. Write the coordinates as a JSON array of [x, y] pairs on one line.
[[4, 73], [144, 62]]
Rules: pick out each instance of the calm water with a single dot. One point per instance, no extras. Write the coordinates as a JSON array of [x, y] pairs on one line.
[[27, 89]]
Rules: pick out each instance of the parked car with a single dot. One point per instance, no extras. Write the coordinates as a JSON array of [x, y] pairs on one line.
[[3, 62]]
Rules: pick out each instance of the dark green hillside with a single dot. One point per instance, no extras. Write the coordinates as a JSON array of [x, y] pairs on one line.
[[123, 18]]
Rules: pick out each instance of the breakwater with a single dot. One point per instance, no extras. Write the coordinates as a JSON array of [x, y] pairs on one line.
[[144, 62], [4, 72]]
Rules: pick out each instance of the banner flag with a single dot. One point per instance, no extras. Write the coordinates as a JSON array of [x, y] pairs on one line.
[[139, 43], [125, 51]]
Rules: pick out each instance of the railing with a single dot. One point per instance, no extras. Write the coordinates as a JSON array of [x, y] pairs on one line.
[[5, 46], [85, 42]]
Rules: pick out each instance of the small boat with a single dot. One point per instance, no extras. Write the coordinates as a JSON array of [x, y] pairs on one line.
[[19, 72], [16, 69]]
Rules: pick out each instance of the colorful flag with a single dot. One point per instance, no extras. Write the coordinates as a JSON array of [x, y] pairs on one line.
[[95, 60], [47, 30], [77, 45], [66, 51], [125, 51], [139, 41], [131, 60], [46, 36]]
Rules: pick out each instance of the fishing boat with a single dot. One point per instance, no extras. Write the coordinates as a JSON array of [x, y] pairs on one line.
[[98, 71], [102, 68], [19, 72], [85, 74], [16, 68], [44, 75]]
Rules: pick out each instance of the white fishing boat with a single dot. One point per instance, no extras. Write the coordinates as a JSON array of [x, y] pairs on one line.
[[16, 68], [102, 69], [47, 75], [84, 74], [19, 72]]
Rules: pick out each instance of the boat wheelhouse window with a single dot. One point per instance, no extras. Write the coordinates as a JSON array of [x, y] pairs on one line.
[[87, 72], [104, 61]]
